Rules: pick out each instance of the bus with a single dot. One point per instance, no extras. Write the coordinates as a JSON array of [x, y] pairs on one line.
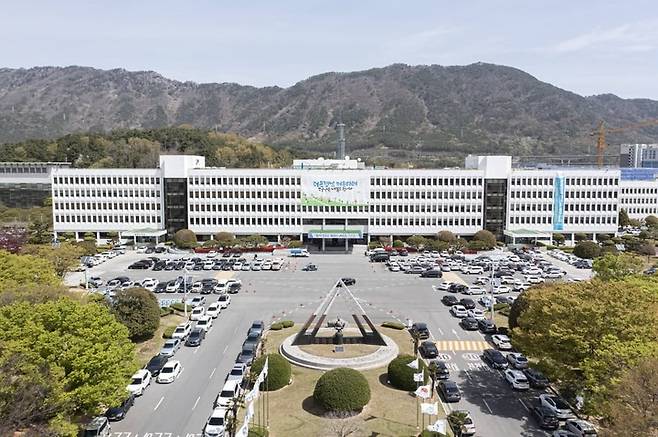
[[298, 252]]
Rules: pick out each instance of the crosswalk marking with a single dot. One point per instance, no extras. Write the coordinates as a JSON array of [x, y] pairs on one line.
[[462, 345]]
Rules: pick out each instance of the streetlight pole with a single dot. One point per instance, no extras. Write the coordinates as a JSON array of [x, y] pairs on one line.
[[185, 291], [491, 289]]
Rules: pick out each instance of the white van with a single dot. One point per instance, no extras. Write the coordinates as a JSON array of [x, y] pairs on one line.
[[230, 391]]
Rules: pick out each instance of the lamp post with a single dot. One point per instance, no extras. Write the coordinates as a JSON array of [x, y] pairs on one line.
[[185, 291], [494, 267]]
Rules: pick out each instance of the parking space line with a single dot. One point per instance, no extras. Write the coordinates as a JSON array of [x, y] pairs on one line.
[[441, 332], [524, 405], [225, 348], [212, 373], [487, 405], [159, 402], [195, 403]]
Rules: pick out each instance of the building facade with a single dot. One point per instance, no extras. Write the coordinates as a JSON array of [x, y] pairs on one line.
[[26, 184], [333, 204], [638, 156]]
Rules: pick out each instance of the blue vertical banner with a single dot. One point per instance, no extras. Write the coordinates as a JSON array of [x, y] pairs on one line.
[[558, 203]]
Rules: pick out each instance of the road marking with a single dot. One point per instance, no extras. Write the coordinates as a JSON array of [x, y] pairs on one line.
[[467, 374], [197, 401], [212, 373], [462, 345], [159, 402], [524, 405], [225, 350], [456, 335], [441, 332], [196, 349], [181, 372], [487, 405]]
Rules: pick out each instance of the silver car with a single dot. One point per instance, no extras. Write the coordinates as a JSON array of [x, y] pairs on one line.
[[170, 347]]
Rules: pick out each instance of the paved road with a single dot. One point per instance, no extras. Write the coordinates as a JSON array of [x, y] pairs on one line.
[[181, 408]]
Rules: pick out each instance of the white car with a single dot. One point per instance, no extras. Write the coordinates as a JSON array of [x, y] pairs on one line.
[[216, 424], [502, 342], [486, 301], [237, 266], [172, 286], [475, 270], [238, 372], [267, 265], [534, 279], [507, 279], [468, 427], [182, 331], [197, 313], [394, 268], [475, 290], [230, 391], [197, 287], [503, 289], [245, 267], [581, 428], [214, 309], [197, 301], [481, 280], [552, 274], [516, 379], [560, 408], [149, 283], [169, 372], [517, 360], [476, 313], [204, 322], [534, 271], [140, 380], [444, 286], [276, 265], [208, 265], [224, 300], [458, 311]]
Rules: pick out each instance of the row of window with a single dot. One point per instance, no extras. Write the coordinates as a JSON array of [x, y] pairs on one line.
[[639, 200], [570, 220], [105, 180], [96, 193], [645, 211], [426, 195], [25, 170], [107, 206], [66, 218], [245, 221], [468, 208], [639, 190], [426, 221], [526, 195], [241, 180], [426, 181]]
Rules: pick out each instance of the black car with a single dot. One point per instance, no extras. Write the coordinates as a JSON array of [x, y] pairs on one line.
[[159, 266], [309, 268], [234, 287], [196, 337], [180, 265], [253, 338], [495, 359], [442, 371], [156, 364], [449, 300], [207, 289], [160, 288], [431, 273], [428, 350], [170, 266], [450, 391], [247, 355], [257, 327], [139, 265], [467, 303], [457, 288], [421, 329], [469, 323], [487, 326], [546, 418], [536, 378], [119, 412], [347, 281], [403, 252]]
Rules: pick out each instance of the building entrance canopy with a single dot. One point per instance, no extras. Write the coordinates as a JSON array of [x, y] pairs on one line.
[[335, 233]]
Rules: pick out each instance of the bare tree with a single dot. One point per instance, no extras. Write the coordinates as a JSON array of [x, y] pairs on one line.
[[342, 424]]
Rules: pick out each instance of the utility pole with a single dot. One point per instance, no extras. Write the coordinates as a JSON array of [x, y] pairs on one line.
[[185, 291]]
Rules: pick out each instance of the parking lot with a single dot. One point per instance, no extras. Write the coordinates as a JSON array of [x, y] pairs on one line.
[[183, 407]]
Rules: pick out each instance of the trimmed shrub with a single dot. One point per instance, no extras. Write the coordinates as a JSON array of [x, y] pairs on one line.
[[295, 244], [179, 306], [446, 237], [168, 332], [401, 376], [138, 310], [165, 311], [393, 325], [287, 323], [427, 433], [486, 237], [185, 239], [257, 431], [398, 243], [342, 390], [278, 326], [278, 372], [587, 250]]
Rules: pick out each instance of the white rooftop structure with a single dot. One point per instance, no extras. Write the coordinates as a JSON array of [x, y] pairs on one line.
[[328, 164]]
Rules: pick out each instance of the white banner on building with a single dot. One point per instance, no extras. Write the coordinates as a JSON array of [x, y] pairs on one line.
[[335, 189]]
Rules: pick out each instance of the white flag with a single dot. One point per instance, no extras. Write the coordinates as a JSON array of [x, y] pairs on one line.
[[413, 364], [250, 412], [266, 367], [243, 431], [253, 394], [260, 379], [439, 426], [423, 392], [419, 377], [431, 409]]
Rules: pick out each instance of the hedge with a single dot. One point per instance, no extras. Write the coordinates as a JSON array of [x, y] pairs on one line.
[[427, 433], [393, 325], [278, 326], [342, 390], [179, 306], [165, 311], [256, 431], [279, 371], [401, 376], [288, 323], [168, 332]]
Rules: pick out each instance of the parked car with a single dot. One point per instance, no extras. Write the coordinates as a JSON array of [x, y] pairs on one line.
[[204, 322], [170, 347], [216, 424], [182, 330], [442, 371], [97, 427], [224, 300], [467, 303], [257, 326], [517, 360], [230, 391], [502, 342], [449, 300], [428, 349], [119, 412], [197, 313], [469, 323], [140, 380], [247, 355], [545, 417], [458, 311], [516, 379], [156, 363], [238, 372], [214, 309], [487, 326], [196, 337], [347, 281], [450, 391], [169, 372], [580, 428], [465, 427], [536, 378], [421, 330], [431, 273], [495, 358], [557, 405]]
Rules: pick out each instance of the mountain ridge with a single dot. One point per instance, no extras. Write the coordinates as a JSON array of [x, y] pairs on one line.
[[398, 112]]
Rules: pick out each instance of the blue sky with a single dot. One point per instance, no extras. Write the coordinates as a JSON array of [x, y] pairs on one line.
[[589, 47]]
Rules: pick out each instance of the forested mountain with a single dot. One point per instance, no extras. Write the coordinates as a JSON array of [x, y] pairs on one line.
[[394, 114]]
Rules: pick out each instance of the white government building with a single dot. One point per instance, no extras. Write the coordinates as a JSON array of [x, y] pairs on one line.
[[339, 202]]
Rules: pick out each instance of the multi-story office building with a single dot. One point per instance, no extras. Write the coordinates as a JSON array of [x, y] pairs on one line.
[[638, 155], [26, 184], [338, 203]]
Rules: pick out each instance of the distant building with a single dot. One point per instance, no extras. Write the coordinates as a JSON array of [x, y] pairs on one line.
[[638, 155], [26, 184]]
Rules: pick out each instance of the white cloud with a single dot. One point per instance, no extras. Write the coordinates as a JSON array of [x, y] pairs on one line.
[[632, 37]]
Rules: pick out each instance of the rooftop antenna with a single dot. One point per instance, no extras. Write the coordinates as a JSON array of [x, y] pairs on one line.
[[340, 146]]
